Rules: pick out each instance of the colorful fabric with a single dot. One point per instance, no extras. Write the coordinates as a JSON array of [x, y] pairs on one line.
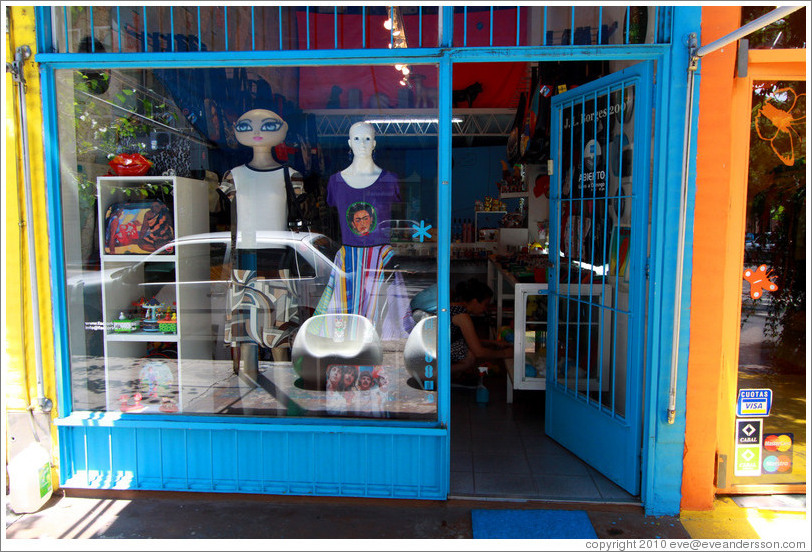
[[366, 285], [364, 214]]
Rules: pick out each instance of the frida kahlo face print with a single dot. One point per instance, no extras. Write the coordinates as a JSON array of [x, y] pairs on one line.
[[361, 218]]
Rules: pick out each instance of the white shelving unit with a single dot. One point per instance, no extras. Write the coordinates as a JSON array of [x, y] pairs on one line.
[[128, 277], [512, 195], [516, 237], [530, 336]]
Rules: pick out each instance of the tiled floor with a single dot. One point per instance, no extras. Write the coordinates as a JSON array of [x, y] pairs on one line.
[[500, 450]]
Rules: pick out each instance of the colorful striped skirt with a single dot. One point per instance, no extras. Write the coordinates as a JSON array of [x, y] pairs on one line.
[[364, 283]]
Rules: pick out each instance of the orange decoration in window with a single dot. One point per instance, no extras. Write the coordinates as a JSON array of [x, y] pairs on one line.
[[783, 124], [759, 281]]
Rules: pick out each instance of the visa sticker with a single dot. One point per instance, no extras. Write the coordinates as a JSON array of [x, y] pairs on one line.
[[754, 402]]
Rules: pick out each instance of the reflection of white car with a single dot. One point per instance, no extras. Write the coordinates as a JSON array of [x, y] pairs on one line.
[[307, 260], [401, 230]]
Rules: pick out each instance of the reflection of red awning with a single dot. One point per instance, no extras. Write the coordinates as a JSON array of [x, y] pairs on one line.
[[500, 81]]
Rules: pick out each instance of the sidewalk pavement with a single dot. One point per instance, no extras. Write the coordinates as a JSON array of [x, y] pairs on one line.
[[161, 515]]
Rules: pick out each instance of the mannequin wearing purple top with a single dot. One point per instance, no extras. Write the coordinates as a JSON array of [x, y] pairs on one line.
[[363, 194]]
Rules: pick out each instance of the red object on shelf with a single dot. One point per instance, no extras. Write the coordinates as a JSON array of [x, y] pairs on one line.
[[130, 164]]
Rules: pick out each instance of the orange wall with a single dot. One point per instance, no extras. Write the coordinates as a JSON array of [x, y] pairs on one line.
[[711, 228]]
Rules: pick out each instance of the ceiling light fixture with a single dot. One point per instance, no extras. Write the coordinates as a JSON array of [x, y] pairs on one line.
[[397, 39]]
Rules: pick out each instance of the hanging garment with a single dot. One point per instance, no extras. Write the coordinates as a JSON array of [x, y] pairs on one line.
[[365, 283]]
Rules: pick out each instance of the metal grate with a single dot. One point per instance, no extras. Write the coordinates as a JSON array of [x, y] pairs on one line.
[[466, 122], [155, 29], [595, 204]]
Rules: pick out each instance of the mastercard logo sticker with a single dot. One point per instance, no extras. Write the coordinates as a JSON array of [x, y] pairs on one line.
[[780, 443], [784, 443]]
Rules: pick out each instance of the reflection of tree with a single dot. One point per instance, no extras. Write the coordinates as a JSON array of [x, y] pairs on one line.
[[776, 203], [787, 32], [106, 120]]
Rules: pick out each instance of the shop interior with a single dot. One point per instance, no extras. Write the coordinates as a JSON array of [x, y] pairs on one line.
[[499, 213]]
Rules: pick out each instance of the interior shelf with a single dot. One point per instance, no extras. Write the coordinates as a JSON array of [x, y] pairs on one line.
[[129, 365]]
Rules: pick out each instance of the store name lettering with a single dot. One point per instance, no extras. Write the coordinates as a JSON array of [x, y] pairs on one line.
[[589, 117]]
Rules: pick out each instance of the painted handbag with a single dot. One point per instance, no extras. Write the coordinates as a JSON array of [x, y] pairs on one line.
[[138, 228]]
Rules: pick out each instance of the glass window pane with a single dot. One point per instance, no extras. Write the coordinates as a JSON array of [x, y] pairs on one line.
[[772, 344], [202, 280], [787, 32]]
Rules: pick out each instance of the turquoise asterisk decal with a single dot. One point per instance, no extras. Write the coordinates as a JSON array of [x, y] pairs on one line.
[[421, 231]]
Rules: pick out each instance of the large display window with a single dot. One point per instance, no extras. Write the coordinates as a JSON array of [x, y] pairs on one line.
[[247, 241]]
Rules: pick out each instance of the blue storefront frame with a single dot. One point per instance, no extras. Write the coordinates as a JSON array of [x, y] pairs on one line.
[[397, 460]]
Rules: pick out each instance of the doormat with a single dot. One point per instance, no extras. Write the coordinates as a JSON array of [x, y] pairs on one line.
[[532, 524], [783, 503]]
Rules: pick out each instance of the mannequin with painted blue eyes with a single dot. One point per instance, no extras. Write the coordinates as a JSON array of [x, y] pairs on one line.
[[258, 187], [259, 198]]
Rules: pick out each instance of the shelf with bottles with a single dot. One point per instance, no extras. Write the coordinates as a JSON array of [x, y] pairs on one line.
[[463, 230], [472, 251]]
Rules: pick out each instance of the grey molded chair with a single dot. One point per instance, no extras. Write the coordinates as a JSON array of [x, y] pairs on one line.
[[420, 352], [327, 339]]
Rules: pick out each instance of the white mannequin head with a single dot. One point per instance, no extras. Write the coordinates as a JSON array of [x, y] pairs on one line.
[[260, 128], [362, 140]]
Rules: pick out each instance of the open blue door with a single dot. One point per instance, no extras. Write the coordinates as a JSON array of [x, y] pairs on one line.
[[599, 232]]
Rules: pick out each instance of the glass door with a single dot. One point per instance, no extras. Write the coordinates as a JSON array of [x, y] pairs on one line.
[[771, 380]]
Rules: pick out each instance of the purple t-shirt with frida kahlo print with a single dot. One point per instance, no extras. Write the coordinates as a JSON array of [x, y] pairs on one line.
[[364, 214]]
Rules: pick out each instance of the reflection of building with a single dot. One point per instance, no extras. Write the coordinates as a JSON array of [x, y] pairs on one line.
[[678, 464]]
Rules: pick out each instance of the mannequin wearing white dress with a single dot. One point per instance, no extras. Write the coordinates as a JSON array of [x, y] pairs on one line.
[[258, 187], [258, 191]]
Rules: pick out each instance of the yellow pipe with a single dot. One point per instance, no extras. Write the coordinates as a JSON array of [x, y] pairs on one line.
[[19, 355]]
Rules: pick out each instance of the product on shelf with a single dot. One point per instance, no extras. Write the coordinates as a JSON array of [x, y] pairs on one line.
[[150, 323], [126, 324]]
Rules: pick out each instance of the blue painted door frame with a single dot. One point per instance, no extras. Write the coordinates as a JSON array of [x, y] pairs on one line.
[[81, 433]]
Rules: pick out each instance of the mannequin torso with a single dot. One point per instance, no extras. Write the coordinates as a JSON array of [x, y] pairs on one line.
[[360, 175], [258, 187]]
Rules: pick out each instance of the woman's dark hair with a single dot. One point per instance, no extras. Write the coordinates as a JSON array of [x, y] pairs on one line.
[[359, 206], [472, 289]]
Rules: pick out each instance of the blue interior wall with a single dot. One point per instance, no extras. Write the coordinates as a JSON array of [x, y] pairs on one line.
[[474, 175]]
